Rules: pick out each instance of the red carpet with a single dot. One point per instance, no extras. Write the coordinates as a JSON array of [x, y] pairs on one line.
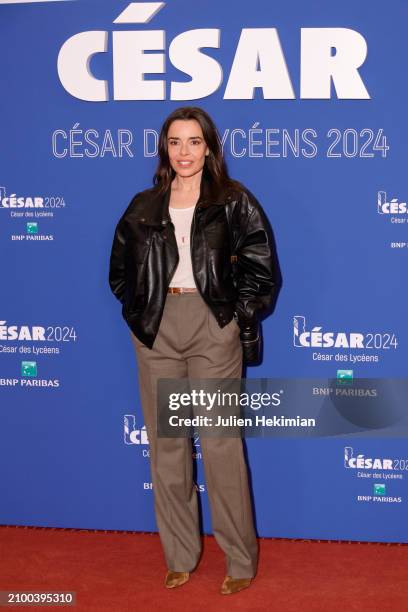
[[122, 571]]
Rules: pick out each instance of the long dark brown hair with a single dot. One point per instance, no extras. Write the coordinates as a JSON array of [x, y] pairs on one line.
[[215, 167]]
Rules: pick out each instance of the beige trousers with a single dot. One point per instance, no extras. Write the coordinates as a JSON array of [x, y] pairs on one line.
[[190, 344]]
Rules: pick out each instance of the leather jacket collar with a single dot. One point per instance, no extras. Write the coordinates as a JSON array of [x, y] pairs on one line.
[[157, 211]]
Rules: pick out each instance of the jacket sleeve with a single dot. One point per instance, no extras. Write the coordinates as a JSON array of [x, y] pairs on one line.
[[117, 279], [117, 263], [259, 277]]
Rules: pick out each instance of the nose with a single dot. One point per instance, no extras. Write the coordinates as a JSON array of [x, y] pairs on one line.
[[184, 148]]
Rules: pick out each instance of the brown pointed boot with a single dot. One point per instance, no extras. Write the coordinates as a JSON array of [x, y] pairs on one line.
[[233, 585], [175, 579]]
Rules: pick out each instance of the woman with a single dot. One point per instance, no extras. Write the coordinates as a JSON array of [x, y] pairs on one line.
[[194, 265]]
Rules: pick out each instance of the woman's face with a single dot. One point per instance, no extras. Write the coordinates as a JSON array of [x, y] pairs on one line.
[[186, 147]]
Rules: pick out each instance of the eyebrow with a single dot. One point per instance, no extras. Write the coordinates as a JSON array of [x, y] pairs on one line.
[[177, 138]]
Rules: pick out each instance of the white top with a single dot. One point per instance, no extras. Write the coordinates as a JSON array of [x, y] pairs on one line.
[[182, 218]]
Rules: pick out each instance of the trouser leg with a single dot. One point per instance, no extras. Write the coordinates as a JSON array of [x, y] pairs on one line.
[[217, 353], [175, 494]]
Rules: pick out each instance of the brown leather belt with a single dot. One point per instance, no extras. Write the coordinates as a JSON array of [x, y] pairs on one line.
[[179, 290]]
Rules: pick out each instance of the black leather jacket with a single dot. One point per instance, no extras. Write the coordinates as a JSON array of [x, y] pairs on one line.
[[233, 252]]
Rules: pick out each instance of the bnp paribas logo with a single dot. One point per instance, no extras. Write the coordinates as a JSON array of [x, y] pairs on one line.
[[344, 376], [379, 489], [29, 368], [32, 228]]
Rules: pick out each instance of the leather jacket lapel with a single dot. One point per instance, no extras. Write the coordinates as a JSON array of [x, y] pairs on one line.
[[156, 211]]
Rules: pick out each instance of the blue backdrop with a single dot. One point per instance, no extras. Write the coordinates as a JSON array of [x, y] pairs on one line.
[[309, 99]]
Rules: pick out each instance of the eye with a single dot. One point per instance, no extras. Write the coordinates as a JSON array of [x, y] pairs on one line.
[[196, 142]]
